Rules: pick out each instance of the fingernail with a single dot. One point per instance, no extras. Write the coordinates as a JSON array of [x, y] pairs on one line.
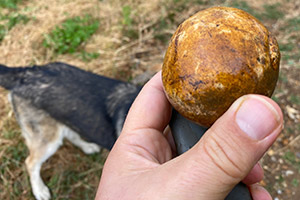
[[256, 116]]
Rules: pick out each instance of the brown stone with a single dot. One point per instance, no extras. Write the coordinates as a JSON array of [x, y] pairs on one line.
[[216, 56]]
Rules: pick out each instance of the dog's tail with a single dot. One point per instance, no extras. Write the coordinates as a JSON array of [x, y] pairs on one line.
[[10, 76]]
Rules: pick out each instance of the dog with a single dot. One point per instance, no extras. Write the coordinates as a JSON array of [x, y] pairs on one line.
[[57, 101]]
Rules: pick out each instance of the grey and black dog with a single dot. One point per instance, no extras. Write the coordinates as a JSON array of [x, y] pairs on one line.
[[58, 101]]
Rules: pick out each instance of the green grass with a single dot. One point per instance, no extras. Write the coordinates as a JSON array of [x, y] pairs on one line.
[[10, 134], [11, 4], [295, 182], [16, 154], [86, 56], [243, 5], [13, 173], [71, 34], [129, 25], [289, 51], [127, 18], [293, 24], [292, 159], [9, 21], [272, 12], [295, 99], [78, 182], [275, 99], [286, 47], [71, 182], [283, 78]]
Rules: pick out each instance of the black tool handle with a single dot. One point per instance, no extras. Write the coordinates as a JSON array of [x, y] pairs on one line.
[[186, 134]]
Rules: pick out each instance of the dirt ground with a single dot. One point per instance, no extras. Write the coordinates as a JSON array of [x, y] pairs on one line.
[[131, 41]]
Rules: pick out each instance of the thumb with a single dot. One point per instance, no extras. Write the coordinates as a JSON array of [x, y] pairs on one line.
[[231, 147]]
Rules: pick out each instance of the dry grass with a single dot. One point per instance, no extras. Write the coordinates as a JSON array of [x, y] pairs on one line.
[[23, 45], [129, 46]]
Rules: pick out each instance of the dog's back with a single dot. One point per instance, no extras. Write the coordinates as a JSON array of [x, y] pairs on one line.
[[93, 106], [58, 101]]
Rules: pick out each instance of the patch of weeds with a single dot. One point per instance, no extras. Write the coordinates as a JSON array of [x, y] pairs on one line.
[[128, 22], [289, 52], [291, 62], [243, 5], [9, 21], [132, 33], [97, 157], [290, 130], [180, 5], [18, 153], [13, 20], [272, 11], [159, 34], [286, 47], [275, 99], [163, 37], [282, 78], [3, 32], [290, 57], [291, 158], [70, 177], [201, 2], [173, 9], [281, 179], [293, 24], [11, 4], [295, 182], [14, 157], [18, 188], [294, 99], [86, 56], [10, 134], [72, 33], [72, 185], [127, 19], [285, 57], [53, 181]]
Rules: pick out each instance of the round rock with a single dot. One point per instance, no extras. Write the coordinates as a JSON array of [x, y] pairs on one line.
[[216, 56]]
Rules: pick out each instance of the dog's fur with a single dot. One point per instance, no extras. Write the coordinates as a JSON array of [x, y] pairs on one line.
[[58, 101]]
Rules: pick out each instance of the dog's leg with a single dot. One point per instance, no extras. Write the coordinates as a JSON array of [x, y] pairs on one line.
[[42, 136], [38, 154], [86, 147]]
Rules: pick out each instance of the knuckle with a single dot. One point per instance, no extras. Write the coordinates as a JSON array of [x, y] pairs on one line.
[[224, 156]]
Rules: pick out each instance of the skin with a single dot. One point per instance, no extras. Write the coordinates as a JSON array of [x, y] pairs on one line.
[[142, 165]]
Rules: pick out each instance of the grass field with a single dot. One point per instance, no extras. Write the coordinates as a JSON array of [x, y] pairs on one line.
[[125, 39]]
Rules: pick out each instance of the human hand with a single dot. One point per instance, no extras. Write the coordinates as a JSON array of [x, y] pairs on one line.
[[141, 164]]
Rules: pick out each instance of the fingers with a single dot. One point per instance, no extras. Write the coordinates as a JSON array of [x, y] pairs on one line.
[[151, 109], [255, 175], [147, 118], [259, 193], [232, 146]]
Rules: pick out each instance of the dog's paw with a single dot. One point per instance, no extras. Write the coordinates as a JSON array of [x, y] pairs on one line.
[[90, 148], [41, 192]]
